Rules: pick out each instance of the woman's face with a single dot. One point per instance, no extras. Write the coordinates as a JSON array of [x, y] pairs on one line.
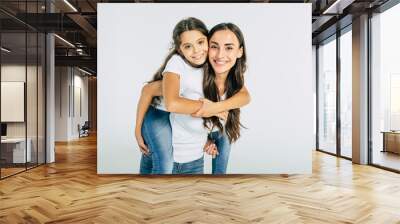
[[224, 50], [194, 47]]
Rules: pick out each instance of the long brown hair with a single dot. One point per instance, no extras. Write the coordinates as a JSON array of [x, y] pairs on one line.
[[233, 84], [186, 24]]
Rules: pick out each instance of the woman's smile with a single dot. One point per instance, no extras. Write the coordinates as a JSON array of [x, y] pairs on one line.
[[220, 62]]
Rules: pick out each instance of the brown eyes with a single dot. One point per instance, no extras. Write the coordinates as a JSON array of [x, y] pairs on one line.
[[226, 48], [187, 47]]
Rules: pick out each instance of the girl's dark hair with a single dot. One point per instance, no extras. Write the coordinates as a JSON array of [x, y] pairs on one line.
[[233, 84], [186, 24]]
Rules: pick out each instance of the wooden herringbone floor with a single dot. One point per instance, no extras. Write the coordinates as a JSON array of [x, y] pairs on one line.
[[70, 191]]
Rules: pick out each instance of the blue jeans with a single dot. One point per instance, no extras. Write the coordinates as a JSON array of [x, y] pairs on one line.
[[193, 167], [220, 162], [157, 135]]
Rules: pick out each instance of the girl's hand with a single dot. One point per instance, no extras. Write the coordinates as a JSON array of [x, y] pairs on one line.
[[142, 146], [208, 109], [210, 148]]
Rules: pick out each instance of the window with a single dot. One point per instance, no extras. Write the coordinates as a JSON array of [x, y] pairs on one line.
[[327, 96], [385, 88], [346, 93]]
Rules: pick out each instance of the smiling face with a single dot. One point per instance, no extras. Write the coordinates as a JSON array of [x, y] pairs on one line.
[[194, 46], [224, 51]]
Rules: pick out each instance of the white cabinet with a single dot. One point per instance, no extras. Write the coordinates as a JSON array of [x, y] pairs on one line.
[[17, 146]]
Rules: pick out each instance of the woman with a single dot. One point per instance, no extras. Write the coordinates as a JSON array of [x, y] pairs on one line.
[[224, 78]]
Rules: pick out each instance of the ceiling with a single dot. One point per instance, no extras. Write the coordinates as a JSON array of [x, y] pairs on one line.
[[76, 22]]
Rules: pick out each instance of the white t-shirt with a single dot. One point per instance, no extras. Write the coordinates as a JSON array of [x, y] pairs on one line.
[[188, 133]]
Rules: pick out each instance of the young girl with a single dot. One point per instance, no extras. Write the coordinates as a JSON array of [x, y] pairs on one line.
[[182, 87], [223, 78]]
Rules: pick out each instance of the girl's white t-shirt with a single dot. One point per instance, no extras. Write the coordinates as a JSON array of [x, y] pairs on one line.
[[188, 133]]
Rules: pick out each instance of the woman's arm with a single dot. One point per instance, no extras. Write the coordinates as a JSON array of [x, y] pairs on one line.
[[240, 99], [210, 108], [148, 92], [173, 101]]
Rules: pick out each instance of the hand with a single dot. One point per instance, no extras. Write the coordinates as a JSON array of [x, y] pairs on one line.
[[139, 139], [208, 109], [223, 115], [210, 148]]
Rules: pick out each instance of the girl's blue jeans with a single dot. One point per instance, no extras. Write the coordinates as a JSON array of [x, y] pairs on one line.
[[157, 134]]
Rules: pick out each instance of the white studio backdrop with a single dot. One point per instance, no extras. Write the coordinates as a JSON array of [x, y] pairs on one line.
[[133, 40]]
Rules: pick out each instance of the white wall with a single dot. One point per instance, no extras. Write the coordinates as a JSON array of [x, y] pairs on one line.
[[133, 39], [314, 84], [61, 103], [79, 117], [68, 81]]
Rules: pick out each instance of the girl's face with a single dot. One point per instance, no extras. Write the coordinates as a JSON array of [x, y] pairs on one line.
[[194, 47], [224, 50]]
